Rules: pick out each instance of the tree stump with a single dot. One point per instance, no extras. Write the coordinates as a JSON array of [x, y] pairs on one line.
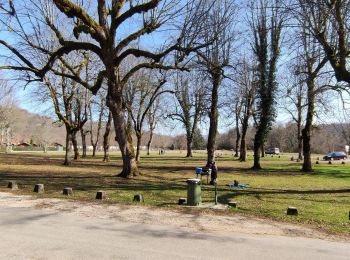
[[292, 211], [12, 185], [100, 195], [68, 191], [182, 201], [39, 188], [138, 198], [232, 204], [292, 158], [317, 162], [329, 162], [342, 162]]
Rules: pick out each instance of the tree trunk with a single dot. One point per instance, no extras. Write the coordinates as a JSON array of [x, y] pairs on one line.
[[238, 138], [213, 117], [75, 146], [149, 143], [138, 146], [67, 159], [94, 147], [189, 139], [243, 147], [123, 137], [106, 138], [258, 140], [83, 142], [189, 147], [306, 132], [263, 150], [299, 121]]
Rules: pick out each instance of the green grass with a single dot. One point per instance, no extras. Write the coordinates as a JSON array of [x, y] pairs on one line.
[[322, 197]]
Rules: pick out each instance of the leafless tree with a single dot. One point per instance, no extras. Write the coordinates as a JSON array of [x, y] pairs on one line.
[[190, 94], [215, 59], [141, 93], [245, 79]]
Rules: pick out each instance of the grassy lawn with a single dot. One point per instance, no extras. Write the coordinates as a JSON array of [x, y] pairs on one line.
[[322, 197]]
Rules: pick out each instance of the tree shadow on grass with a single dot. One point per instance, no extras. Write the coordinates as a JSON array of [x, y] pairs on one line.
[[227, 196]]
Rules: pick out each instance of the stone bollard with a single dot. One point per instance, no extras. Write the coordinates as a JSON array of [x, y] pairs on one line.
[[39, 188], [317, 162], [68, 191], [292, 211], [100, 195], [329, 162], [138, 198], [12, 185], [232, 204], [182, 201]]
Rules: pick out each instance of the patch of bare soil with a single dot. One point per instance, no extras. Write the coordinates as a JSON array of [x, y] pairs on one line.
[[207, 221]]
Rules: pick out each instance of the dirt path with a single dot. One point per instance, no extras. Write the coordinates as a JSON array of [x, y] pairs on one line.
[[196, 221]]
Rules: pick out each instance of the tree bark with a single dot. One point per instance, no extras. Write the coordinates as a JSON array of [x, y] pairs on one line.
[[83, 142], [67, 159], [75, 146], [306, 132], [299, 128], [243, 146], [94, 147], [138, 146], [123, 137], [238, 138], [213, 117], [106, 138], [149, 143]]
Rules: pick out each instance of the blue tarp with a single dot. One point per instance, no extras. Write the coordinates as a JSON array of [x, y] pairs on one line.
[[238, 186]]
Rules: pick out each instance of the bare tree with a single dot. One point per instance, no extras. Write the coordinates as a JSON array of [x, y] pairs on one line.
[[142, 91], [190, 94], [245, 80], [95, 127], [152, 120], [326, 21], [214, 60], [295, 102]]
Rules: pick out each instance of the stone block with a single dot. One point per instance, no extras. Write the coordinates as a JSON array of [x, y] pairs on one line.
[[68, 191], [138, 198], [12, 185], [232, 204], [292, 211], [182, 201], [101, 195], [39, 188]]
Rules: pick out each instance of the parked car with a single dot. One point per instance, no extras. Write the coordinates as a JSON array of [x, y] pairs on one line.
[[272, 150], [335, 156]]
